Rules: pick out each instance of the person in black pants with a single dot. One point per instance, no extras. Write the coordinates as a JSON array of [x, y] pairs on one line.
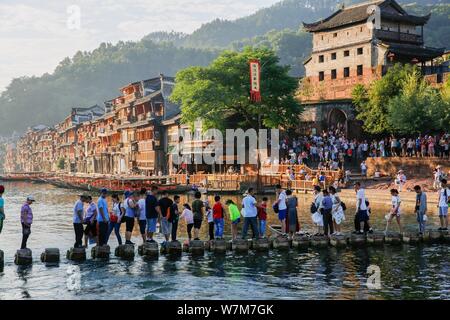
[[78, 217], [327, 204], [175, 216], [26, 218]]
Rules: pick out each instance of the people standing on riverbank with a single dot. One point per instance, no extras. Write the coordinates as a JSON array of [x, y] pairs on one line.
[[282, 208], [90, 220], [188, 218], [2, 207], [175, 217], [444, 197], [421, 208], [218, 216], [152, 212], [262, 217], [250, 214], [78, 217], [327, 209], [142, 215], [26, 218], [131, 206], [103, 218], [292, 217], [338, 213], [361, 212], [235, 217], [165, 203], [316, 207], [198, 209], [395, 210], [115, 217]]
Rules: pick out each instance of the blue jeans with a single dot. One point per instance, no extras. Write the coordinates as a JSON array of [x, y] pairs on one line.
[[262, 227], [421, 222], [253, 222], [116, 227], [219, 224]]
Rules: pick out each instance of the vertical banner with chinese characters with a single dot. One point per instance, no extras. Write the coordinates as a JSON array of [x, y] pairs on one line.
[[255, 81]]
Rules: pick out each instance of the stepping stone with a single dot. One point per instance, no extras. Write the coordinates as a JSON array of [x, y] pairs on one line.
[[186, 246], [125, 252], [2, 260], [219, 246], [281, 243], [240, 245], [102, 252], [302, 241], [197, 247], [230, 245], [412, 237], [375, 239], [319, 241], [208, 245], [76, 254], [260, 245], [357, 240], [149, 249], [50, 255], [250, 244], [393, 238], [338, 241], [23, 257], [435, 236], [174, 248]]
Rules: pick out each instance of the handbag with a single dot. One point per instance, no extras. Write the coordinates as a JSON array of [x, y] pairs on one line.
[[313, 208], [276, 208]]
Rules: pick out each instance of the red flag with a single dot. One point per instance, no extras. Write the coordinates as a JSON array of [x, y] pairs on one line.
[[255, 80]]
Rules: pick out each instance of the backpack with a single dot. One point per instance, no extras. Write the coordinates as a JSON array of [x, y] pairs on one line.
[[313, 208], [276, 208], [343, 205]]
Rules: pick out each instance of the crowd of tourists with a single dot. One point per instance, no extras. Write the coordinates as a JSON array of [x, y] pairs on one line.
[[94, 221]]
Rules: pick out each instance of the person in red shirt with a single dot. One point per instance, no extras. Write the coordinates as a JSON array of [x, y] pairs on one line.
[[218, 216], [262, 216]]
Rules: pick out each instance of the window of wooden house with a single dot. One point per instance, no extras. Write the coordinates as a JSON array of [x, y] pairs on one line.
[[333, 56], [333, 74], [360, 70], [321, 76], [346, 53], [360, 51], [321, 59], [346, 72]]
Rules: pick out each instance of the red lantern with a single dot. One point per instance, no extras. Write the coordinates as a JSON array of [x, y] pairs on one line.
[[255, 80]]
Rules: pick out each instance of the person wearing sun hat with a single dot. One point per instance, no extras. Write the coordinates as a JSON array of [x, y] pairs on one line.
[[2, 207], [26, 218]]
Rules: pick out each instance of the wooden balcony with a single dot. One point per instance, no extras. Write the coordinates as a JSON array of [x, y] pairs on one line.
[[399, 36]]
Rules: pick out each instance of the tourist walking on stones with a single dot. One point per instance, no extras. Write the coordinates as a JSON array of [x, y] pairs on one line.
[[395, 210], [210, 220], [142, 215], [361, 212], [90, 220], [103, 218], [115, 217], [188, 218], [327, 209], [282, 208], [218, 216], [316, 207], [175, 217], [26, 218], [2, 207], [421, 208], [292, 217], [152, 212], [338, 212], [198, 209], [78, 217], [262, 217], [250, 214], [235, 217], [131, 206], [165, 203], [444, 197]]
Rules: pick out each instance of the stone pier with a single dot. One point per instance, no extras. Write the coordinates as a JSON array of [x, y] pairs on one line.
[[102, 252], [261, 245], [281, 243], [50, 255], [301, 241], [76, 254], [240, 246], [393, 238], [23, 257], [338, 241], [125, 252], [197, 248], [319, 241], [219, 246], [357, 240], [412, 238], [149, 250], [174, 248], [375, 239]]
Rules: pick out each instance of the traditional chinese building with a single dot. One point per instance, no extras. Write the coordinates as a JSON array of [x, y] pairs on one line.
[[347, 50]]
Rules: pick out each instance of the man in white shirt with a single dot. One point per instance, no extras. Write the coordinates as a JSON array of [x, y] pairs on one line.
[[282, 207], [361, 212], [444, 196], [250, 213]]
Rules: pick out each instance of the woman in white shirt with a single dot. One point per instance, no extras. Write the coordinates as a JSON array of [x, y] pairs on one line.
[[188, 218], [395, 210], [337, 212]]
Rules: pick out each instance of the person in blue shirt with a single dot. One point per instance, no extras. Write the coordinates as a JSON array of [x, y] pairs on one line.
[[103, 218], [327, 208], [2, 207]]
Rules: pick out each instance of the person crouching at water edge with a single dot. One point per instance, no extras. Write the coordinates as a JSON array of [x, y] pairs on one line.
[[316, 207], [250, 214], [280, 207], [218, 215], [103, 218], [131, 206], [421, 208], [78, 217], [2, 207], [395, 210], [26, 218], [116, 217], [362, 211], [235, 217], [198, 209], [90, 220], [338, 211]]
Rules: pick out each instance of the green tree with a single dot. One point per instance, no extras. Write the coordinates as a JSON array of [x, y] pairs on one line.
[[219, 93]]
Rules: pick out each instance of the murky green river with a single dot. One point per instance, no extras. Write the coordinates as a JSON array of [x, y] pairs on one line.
[[407, 272]]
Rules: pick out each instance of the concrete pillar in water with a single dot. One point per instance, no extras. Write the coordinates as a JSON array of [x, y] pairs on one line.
[[281, 243], [357, 240], [435, 236], [125, 251], [240, 246], [102, 252], [375, 239], [23, 257], [149, 249], [219, 246], [197, 247], [338, 241], [174, 248], [262, 244], [393, 238], [412, 238], [50, 255], [301, 241], [2, 260], [319, 241], [76, 254]]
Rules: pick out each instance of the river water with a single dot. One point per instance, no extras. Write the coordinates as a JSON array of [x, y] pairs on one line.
[[407, 272]]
